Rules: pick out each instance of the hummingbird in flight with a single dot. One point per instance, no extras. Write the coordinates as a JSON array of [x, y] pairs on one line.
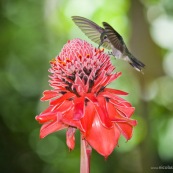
[[109, 38]]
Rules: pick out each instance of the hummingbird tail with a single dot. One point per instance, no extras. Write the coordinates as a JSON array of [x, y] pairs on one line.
[[135, 63]]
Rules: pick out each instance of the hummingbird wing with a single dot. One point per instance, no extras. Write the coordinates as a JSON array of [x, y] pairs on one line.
[[117, 41], [114, 37], [91, 30]]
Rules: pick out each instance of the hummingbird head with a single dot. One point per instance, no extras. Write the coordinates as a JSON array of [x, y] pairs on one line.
[[103, 38]]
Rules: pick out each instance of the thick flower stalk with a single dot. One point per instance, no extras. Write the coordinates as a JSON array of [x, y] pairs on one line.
[[80, 99]]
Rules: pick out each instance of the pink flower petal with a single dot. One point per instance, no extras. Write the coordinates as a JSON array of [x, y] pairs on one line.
[[126, 130], [112, 111], [116, 116], [42, 118], [79, 85], [92, 98], [99, 81], [102, 112], [68, 120], [65, 106], [89, 114], [78, 108], [62, 98], [114, 91], [111, 78], [51, 127], [48, 94], [102, 139], [114, 97], [127, 111], [70, 138]]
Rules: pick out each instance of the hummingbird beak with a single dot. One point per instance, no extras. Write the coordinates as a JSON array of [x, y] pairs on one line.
[[100, 44]]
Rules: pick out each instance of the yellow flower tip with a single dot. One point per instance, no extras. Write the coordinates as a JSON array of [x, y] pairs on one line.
[[88, 55], [68, 60], [102, 50], [80, 56], [52, 61]]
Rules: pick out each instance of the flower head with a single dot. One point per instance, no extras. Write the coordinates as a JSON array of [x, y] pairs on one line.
[[80, 99]]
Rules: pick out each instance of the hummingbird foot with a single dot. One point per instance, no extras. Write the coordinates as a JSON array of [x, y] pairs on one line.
[[110, 53]]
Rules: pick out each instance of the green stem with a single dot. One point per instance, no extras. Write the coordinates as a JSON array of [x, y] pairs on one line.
[[86, 151]]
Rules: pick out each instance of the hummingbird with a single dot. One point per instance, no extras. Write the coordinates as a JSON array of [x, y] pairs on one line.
[[109, 38]]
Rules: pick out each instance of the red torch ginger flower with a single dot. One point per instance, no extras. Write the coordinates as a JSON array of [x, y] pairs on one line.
[[80, 99]]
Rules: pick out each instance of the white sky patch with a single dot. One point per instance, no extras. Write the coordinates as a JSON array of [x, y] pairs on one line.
[[82, 8], [162, 31], [150, 91]]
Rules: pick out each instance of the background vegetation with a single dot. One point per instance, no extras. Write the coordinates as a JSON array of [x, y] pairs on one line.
[[33, 32]]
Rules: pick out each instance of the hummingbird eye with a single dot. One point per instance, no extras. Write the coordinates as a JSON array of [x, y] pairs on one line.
[[105, 37]]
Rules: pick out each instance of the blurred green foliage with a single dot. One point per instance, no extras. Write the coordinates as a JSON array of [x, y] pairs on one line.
[[33, 32]]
